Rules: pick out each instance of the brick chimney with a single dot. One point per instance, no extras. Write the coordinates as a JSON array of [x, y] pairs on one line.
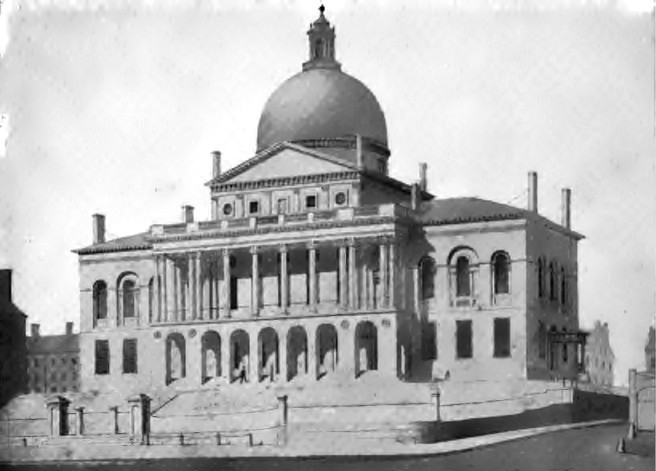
[[69, 328], [34, 328], [98, 228], [216, 163], [5, 285], [187, 213], [423, 179], [566, 208], [533, 192]]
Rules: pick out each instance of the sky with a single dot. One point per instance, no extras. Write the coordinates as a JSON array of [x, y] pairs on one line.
[[115, 107]]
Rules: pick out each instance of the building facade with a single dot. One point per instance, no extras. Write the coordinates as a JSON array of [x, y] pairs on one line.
[[317, 264], [53, 361], [12, 342], [599, 356]]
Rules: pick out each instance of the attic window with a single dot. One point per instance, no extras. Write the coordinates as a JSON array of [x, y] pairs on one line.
[[227, 209], [340, 198], [311, 201], [253, 207]]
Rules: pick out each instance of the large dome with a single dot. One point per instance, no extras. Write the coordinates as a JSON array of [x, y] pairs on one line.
[[321, 103]]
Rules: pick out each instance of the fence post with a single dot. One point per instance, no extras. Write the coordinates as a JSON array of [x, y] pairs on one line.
[[114, 409], [284, 416], [435, 399], [218, 438]]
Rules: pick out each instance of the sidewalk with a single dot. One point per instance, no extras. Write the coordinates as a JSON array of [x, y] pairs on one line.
[[113, 453]]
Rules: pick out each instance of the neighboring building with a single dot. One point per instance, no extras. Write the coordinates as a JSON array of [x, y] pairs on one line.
[[317, 264], [53, 361], [12, 342], [650, 351], [599, 357]]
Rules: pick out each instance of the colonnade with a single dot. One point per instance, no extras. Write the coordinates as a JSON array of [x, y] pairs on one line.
[[201, 285]]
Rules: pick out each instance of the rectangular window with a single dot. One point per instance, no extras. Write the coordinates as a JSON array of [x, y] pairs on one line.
[[464, 339], [130, 356], [311, 201], [502, 337], [102, 357], [253, 207]]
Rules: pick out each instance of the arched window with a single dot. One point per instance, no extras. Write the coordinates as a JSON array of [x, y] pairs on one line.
[[100, 300], [366, 347], [128, 296], [151, 299], [501, 272], [540, 277], [542, 340], [463, 280], [427, 277], [176, 358], [553, 283]]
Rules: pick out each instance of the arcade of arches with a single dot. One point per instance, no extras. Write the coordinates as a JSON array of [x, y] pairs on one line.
[[278, 355]]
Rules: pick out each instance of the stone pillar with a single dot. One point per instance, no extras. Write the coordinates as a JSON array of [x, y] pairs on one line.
[[345, 347], [255, 282], [254, 358], [284, 278], [226, 283], [312, 353], [416, 295], [226, 367], [391, 302], [353, 276], [343, 277], [58, 415], [169, 290], [79, 415], [382, 268], [282, 357], [312, 274], [139, 407], [176, 292], [435, 399]]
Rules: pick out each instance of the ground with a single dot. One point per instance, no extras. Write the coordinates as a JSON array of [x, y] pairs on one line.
[[591, 449]]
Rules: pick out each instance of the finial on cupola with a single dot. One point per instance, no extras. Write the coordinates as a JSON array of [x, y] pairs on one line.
[[322, 44]]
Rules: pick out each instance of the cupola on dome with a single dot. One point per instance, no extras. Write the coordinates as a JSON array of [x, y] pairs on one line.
[[321, 102]]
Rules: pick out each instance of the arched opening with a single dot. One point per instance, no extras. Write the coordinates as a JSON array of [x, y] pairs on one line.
[[501, 273], [563, 288], [297, 354], [427, 277], [540, 278], [326, 350], [552, 350], [268, 364], [553, 284], [211, 355], [239, 356], [128, 295], [175, 357], [366, 347], [100, 300], [151, 299]]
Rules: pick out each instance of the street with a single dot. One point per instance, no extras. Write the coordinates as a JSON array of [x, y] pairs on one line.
[[591, 449]]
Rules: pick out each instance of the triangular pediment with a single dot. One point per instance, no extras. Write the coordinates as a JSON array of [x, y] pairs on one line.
[[284, 160]]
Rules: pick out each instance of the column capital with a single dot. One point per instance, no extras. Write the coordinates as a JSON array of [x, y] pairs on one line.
[[283, 248], [311, 244], [254, 249], [351, 242], [225, 252]]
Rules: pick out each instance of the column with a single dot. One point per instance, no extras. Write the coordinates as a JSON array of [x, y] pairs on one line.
[[226, 283], [190, 287], [226, 367], [343, 277], [353, 277], [382, 268], [169, 290], [284, 279], [392, 275], [255, 282], [312, 274], [198, 306], [282, 356], [158, 288]]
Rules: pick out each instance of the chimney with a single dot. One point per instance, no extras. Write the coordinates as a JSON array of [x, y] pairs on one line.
[[358, 150], [98, 228], [414, 196], [69, 328], [5, 285], [187, 213], [216, 163], [423, 181], [533, 192], [566, 208], [34, 328]]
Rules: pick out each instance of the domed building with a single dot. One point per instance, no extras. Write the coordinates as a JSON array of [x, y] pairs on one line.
[[322, 283]]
